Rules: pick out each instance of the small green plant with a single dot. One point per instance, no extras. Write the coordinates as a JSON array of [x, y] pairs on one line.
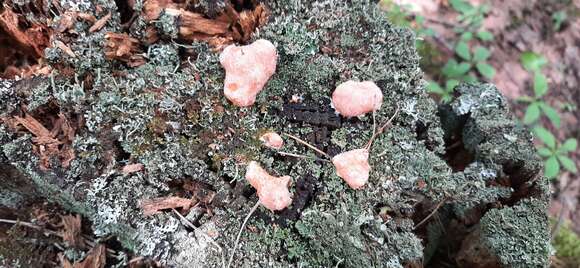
[[536, 105], [467, 60], [556, 154], [470, 16], [559, 18]]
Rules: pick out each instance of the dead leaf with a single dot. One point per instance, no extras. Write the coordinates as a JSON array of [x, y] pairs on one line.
[[132, 168], [155, 205], [72, 230], [96, 258], [100, 23]]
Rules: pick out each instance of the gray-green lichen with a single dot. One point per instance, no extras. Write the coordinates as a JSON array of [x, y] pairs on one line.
[[170, 115], [517, 235]]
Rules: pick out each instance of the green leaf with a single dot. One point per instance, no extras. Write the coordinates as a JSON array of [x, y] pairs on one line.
[[463, 68], [452, 69], [466, 36], [545, 152], [470, 79], [525, 99], [451, 84], [481, 54], [484, 35], [567, 163], [569, 145], [552, 167], [540, 84], [559, 18], [427, 32], [462, 50], [433, 87], [532, 61], [420, 19], [545, 136], [486, 70], [449, 69], [484, 8], [551, 114], [532, 113], [461, 6]]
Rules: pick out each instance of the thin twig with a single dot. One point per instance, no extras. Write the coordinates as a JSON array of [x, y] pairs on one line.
[[302, 156], [308, 145], [240, 233], [32, 226], [374, 124], [381, 129], [431, 214]]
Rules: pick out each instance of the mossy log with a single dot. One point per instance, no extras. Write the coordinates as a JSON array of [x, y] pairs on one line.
[[456, 184]]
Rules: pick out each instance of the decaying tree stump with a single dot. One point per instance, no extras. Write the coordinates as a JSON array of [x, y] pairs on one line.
[[141, 117]]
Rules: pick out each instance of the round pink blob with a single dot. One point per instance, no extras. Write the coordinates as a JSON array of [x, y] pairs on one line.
[[353, 167], [272, 140], [357, 98], [248, 69], [272, 191]]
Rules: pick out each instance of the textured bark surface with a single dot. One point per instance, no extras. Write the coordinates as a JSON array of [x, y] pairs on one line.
[[447, 182]]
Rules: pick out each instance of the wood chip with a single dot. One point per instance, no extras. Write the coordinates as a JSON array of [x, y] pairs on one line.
[[86, 16], [100, 23], [72, 230], [48, 143], [65, 48], [9, 23], [32, 125], [155, 205], [225, 28], [124, 48], [66, 21], [132, 168], [191, 23]]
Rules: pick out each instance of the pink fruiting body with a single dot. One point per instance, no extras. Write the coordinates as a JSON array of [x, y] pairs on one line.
[[272, 191], [357, 98], [248, 69], [353, 167], [272, 140]]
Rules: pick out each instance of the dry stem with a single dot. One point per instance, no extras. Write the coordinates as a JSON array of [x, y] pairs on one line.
[[308, 145], [240, 233]]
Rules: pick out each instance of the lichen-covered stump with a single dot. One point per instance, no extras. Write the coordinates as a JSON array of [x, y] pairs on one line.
[[453, 184]]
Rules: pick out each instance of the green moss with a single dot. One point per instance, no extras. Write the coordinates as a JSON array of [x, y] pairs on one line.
[[567, 246]]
